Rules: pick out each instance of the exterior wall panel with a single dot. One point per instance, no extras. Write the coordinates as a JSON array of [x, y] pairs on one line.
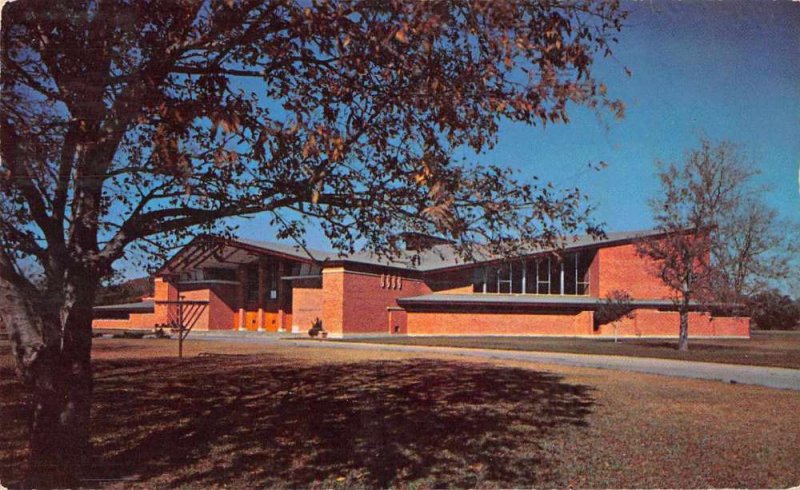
[[654, 323], [364, 309], [499, 323], [307, 304], [622, 268]]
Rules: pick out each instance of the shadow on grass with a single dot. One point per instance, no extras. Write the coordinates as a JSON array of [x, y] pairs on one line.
[[265, 422]]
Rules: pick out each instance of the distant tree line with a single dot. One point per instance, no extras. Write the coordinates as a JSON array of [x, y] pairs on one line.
[[772, 310], [125, 292]]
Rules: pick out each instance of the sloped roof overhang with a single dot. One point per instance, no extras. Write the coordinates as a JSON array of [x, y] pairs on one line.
[[209, 249], [446, 301], [213, 251]]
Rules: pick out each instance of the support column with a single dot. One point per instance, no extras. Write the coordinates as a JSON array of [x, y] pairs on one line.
[[261, 278], [241, 297]]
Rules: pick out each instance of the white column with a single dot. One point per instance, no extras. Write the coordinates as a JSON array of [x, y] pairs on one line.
[[524, 276]]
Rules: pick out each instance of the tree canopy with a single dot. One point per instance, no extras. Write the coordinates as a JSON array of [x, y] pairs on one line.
[[131, 123], [720, 241], [169, 115]]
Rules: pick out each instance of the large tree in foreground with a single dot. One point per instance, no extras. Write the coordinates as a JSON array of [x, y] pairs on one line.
[[127, 124], [721, 242]]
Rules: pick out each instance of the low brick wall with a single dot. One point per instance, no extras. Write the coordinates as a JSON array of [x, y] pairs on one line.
[[135, 321], [646, 323], [499, 323], [654, 323]]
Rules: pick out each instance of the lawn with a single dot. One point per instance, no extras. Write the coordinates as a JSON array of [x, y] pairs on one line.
[[248, 415], [776, 349]]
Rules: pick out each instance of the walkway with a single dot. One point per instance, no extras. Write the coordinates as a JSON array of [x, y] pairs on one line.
[[772, 377]]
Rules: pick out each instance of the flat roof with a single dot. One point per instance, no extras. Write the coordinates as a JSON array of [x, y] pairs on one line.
[[494, 299], [147, 306]]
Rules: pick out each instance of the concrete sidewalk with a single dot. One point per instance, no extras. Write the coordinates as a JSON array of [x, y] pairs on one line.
[[772, 377]]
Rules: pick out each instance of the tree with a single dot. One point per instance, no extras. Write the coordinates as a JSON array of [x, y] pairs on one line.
[[771, 310], [129, 124], [720, 242], [130, 291], [617, 305]]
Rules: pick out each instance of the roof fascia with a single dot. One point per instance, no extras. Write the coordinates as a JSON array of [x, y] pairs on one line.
[[576, 248], [233, 243]]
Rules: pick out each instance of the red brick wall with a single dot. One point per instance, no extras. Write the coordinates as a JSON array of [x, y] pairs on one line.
[[647, 323], [355, 302], [163, 291], [307, 304], [507, 322], [654, 323], [135, 321], [620, 267], [398, 321]]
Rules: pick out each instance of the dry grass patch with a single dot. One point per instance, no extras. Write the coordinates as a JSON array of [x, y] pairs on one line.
[[282, 416], [776, 349]]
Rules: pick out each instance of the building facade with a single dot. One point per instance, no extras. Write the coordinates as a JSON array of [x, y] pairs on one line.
[[247, 285]]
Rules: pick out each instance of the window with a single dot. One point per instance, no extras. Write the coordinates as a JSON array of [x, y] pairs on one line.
[[251, 281], [504, 273], [571, 273], [479, 280], [219, 274], [544, 275], [271, 281], [491, 279], [585, 260]]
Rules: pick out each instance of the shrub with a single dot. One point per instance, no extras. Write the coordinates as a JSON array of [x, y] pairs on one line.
[[772, 310], [616, 306]]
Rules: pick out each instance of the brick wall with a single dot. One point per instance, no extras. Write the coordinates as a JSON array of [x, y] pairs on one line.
[[356, 302], [506, 322], [307, 303], [135, 321], [647, 323], [621, 268], [654, 323]]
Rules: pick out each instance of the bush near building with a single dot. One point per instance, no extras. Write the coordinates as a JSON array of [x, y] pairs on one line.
[[772, 310]]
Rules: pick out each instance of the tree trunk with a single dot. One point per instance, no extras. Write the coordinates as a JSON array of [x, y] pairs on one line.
[[683, 337], [51, 342], [61, 406]]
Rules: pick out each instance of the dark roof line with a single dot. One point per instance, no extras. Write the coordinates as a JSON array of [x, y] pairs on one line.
[[146, 306], [520, 300], [437, 258]]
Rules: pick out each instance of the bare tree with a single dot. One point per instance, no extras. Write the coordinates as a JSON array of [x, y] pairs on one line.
[[720, 241], [616, 306], [754, 250], [128, 124]]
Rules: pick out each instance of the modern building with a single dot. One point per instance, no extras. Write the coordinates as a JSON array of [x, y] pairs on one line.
[[241, 284]]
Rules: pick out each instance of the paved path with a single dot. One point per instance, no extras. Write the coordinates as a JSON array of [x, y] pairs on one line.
[[782, 378]]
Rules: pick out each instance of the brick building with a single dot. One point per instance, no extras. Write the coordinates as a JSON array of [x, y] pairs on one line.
[[263, 286]]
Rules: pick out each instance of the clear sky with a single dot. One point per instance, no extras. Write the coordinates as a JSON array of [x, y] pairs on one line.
[[726, 70]]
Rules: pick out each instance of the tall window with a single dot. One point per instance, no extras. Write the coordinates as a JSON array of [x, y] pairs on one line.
[[568, 275], [251, 280], [583, 270], [504, 273]]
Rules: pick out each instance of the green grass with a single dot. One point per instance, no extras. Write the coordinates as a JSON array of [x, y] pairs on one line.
[[776, 349]]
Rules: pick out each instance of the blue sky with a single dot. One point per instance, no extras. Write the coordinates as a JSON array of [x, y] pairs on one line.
[[725, 70]]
